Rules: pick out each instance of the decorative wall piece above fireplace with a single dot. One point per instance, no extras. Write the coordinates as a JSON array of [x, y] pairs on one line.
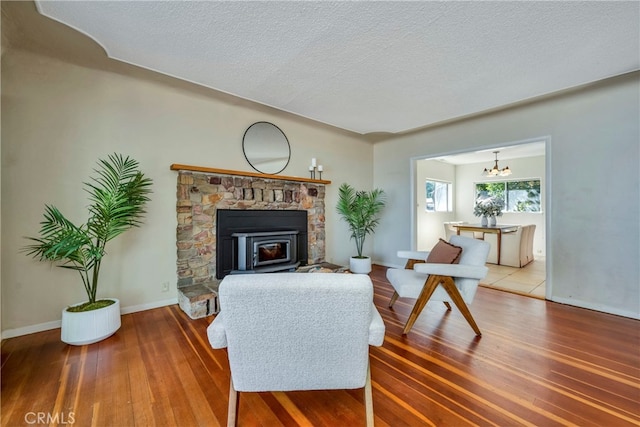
[[266, 148]]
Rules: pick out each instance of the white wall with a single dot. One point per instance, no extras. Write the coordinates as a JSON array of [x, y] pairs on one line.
[[429, 225], [59, 118], [593, 215]]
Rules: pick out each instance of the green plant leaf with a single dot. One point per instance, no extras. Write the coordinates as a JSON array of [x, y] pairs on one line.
[[118, 193], [360, 210]]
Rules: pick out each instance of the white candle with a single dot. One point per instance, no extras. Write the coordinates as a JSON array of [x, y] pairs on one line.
[[311, 168], [319, 168], [313, 162]]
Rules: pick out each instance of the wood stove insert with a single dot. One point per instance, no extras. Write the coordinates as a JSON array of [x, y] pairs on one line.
[[252, 241]]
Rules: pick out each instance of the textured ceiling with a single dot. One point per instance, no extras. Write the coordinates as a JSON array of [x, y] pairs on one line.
[[369, 66]]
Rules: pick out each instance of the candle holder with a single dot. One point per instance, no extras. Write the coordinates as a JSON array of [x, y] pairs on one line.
[[315, 167]]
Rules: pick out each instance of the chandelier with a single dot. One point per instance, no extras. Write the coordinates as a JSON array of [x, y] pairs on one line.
[[496, 171]]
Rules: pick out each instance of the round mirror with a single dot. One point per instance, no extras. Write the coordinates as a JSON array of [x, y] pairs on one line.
[[266, 148]]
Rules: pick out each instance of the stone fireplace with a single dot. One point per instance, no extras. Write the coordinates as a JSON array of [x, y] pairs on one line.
[[203, 192]]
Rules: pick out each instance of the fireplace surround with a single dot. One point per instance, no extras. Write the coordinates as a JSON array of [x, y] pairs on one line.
[[203, 192]]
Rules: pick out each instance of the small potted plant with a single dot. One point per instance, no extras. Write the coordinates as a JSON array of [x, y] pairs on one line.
[[488, 208], [360, 210], [118, 195]]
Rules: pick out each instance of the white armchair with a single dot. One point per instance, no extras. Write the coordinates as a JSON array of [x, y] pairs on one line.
[[288, 331], [447, 283]]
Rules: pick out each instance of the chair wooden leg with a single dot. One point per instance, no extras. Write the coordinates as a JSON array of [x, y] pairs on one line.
[[449, 285], [368, 399], [429, 287], [411, 262], [394, 297], [446, 303], [232, 412]]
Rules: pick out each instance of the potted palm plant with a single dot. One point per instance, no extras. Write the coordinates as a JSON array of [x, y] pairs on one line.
[[118, 194], [360, 210]]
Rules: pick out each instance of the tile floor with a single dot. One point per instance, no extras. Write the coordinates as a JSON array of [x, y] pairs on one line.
[[528, 280]]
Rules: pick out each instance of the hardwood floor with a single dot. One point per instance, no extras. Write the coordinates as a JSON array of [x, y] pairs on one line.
[[537, 363]]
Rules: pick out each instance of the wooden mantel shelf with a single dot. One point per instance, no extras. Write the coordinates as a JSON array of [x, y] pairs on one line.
[[178, 167]]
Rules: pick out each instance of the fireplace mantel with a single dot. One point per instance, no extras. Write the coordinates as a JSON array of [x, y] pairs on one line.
[[179, 167]]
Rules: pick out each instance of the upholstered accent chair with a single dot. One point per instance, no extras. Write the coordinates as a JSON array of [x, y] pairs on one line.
[[446, 283], [296, 331]]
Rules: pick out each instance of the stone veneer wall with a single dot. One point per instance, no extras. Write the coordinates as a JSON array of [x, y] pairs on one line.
[[201, 194]]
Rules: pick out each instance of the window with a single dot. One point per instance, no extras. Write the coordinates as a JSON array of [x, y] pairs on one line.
[[518, 196], [439, 196]]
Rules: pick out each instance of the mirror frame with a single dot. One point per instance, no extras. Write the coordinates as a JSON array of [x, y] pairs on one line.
[[254, 159]]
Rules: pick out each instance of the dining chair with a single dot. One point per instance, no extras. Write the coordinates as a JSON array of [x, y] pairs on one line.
[[450, 230], [516, 247]]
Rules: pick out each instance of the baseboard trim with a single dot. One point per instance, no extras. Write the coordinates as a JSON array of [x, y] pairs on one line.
[[149, 306], [47, 326], [596, 307], [32, 329], [388, 265]]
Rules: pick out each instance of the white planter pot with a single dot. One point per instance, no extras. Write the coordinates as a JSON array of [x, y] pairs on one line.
[[87, 327], [360, 265]]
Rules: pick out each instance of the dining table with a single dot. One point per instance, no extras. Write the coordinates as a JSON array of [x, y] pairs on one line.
[[493, 229]]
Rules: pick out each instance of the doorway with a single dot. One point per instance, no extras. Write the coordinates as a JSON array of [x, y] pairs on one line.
[[460, 172]]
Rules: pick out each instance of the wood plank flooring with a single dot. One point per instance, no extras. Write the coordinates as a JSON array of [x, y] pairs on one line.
[[537, 364]]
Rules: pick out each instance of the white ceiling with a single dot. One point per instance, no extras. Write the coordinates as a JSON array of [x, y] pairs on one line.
[[369, 66], [488, 156]]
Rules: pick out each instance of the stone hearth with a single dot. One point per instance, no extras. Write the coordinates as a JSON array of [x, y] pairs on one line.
[[201, 194]]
